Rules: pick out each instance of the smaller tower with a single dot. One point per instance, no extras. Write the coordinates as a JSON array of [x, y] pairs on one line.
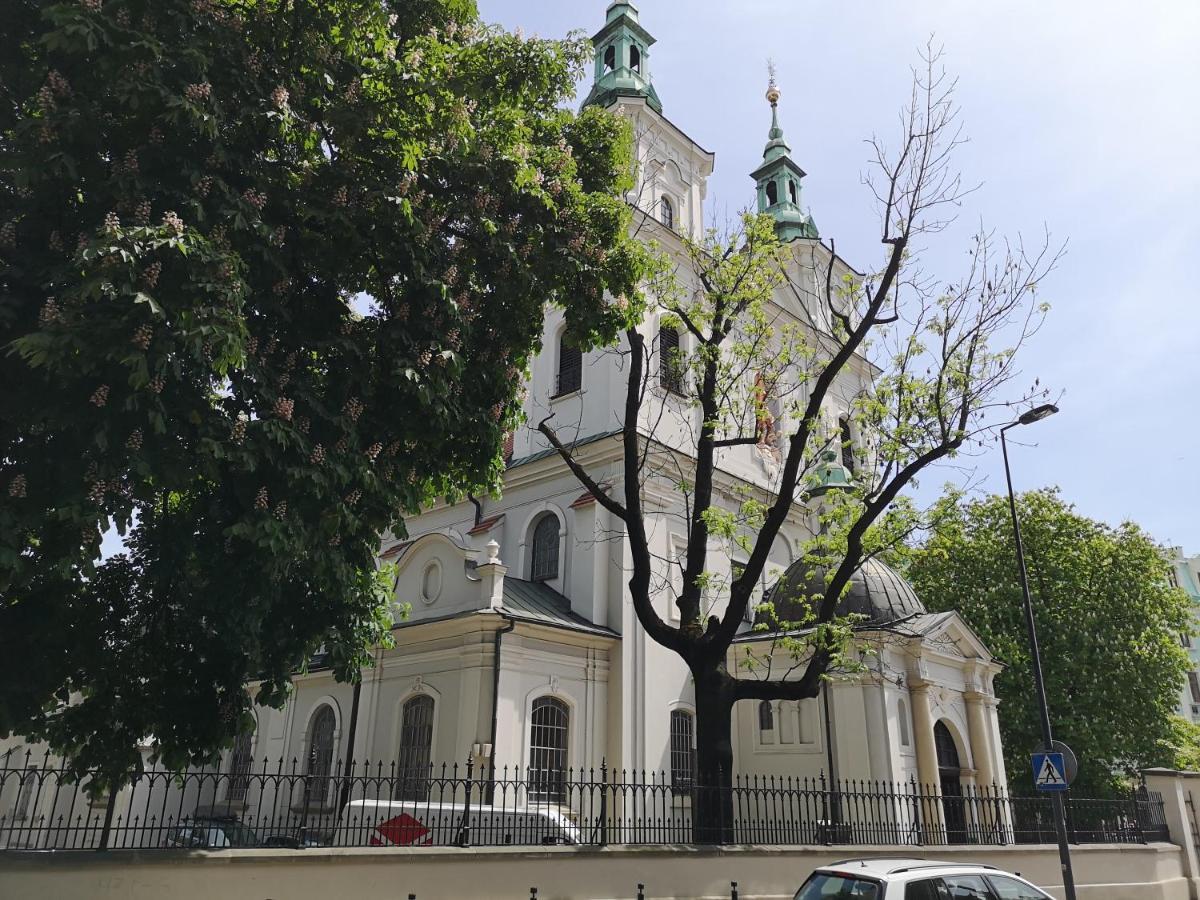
[[778, 179], [622, 59]]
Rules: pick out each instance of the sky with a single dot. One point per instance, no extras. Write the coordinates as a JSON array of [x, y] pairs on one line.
[[1083, 119]]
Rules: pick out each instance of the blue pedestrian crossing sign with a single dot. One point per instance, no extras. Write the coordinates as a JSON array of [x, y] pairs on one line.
[[1049, 772]]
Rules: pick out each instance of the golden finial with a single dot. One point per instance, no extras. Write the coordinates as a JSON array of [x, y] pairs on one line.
[[772, 88]]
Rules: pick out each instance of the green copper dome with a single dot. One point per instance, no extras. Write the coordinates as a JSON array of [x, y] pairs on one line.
[[778, 181], [622, 59]]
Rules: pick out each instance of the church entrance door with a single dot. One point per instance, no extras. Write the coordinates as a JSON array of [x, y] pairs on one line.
[[950, 775]]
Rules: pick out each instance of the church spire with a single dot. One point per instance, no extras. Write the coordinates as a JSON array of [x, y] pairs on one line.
[[622, 59], [778, 178]]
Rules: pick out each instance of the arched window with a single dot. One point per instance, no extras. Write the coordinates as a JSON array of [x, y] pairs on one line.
[[847, 440], [902, 715], [319, 763], [544, 559], [570, 367], [683, 750], [25, 794], [635, 58], [240, 762], [806, 716], [670, 362], [772, 193], [548, 729], [766, 722], [610, 58], [792, 191], [666, 212], [416, 744]]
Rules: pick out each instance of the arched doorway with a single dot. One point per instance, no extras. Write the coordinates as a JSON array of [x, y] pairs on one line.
[[949, 777]]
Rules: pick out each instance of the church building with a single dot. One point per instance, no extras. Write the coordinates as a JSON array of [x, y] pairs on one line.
[[521, 648]]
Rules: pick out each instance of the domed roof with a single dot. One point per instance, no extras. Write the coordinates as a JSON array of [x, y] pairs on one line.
[[876, 591]]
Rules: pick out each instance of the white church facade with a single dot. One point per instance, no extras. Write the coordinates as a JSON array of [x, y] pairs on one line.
[[520, 647]]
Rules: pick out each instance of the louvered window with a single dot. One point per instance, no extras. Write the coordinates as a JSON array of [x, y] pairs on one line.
[[570, 368], [670, 360], [847, 440]]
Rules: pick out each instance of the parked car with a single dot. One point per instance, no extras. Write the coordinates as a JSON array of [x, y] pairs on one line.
[[212, 834], [914, 879], [294, 839], [400, 823]]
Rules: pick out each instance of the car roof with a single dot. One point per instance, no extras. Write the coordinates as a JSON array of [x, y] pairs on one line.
[[880, 866]]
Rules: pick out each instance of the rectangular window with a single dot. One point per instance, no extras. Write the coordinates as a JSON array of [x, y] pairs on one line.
[[736, 568], [670, 361], [570, 369], [683, 752], [1194, 684], [1185, 640]]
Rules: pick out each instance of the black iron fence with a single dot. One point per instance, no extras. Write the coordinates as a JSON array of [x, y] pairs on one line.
[[282, 805]]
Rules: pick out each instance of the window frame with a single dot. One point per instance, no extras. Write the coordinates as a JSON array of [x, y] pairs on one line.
[[670, 370], [241, 763], [666, 211], [549, 762], [1194, 685], [682, 758], [846, 440], [414, 779], [537, 558], [318, 794], [568, 374]]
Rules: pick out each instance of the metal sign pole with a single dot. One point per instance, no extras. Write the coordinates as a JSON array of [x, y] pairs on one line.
[[1060, 817]]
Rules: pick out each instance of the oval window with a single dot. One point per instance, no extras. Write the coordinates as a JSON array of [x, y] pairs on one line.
[[431, 582]]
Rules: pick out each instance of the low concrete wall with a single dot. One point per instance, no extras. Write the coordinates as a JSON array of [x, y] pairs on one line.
[[1102, 872]]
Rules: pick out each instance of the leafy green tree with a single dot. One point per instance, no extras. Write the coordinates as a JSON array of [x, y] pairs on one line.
[[269, 273], [1108, 626]]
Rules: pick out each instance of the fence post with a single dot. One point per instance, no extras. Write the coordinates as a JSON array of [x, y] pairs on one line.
[[641, 891], [603, 802], [733, 891], [1169, 783]]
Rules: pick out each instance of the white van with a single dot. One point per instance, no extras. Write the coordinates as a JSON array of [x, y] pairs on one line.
[[406, 823]]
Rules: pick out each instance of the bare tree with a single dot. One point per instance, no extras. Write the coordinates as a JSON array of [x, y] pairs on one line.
[[919, 369]]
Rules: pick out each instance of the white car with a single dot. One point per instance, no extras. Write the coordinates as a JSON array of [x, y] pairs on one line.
[[914, 879]]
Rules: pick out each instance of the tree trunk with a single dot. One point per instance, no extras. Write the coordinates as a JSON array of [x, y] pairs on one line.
[[712, 806]]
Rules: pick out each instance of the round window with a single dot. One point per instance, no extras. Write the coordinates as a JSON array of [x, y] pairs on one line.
[[431, 582]]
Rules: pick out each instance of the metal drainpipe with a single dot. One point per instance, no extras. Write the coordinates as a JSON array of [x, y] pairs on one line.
[[500, 632]]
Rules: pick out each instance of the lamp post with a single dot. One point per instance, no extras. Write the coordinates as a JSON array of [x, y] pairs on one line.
[[1060, 818]]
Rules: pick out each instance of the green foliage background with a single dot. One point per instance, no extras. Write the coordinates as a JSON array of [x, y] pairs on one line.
[[1108, 626], [199, 199]]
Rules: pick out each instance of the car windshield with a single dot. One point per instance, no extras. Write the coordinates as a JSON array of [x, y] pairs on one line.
[[831, 886]]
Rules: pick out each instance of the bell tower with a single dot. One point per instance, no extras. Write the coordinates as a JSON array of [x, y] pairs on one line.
[[778, 180], [622, 59]]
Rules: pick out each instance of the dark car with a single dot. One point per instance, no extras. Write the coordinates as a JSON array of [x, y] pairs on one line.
[[212, 834]]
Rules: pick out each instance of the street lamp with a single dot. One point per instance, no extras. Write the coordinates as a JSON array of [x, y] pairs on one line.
[[1060, 818]]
